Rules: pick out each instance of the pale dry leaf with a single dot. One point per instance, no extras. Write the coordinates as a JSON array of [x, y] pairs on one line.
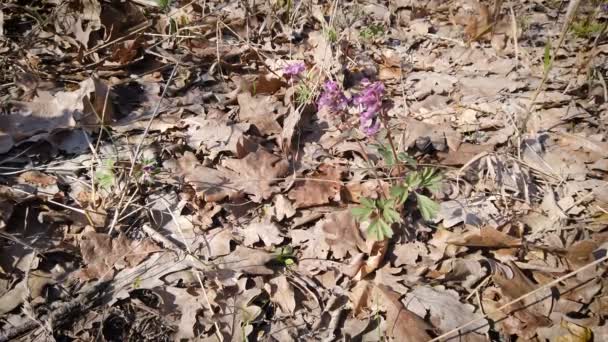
[[257, 172], [260, 111], [320, 188], [210, 184], [49, 113], [215, 135], [341, 233], [401, 323], [247, 260], [283, 209], [447, 312], [282, 294], [267, 232]]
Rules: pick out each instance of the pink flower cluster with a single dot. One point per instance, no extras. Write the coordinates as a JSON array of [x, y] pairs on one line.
[[368, 100], [294, 70], [333, 97]]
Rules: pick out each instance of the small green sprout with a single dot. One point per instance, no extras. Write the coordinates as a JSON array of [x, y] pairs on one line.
[[303, 93], [105, 175], [285, 256], [330, 34], [371, 32]]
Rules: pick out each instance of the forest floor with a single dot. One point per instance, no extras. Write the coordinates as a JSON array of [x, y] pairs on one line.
[[289, 170]]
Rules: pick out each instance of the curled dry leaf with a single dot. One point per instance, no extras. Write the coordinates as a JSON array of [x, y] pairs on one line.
[[320, 188]]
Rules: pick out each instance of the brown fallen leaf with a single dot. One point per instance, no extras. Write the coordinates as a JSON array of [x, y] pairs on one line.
[[257, 172], [215, 135], [102, 254], [282, 294], [247, 260], [321, 187], [50, 112], [260, 110], [342, 234], [37, 178], [267, 232], [485, 237], [210, 184], [401, 324]]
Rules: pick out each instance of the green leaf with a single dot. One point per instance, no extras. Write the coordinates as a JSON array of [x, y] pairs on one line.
[[391, 215], [374, 232], [430, 179], [368, 202], [406, 158], [547, 56], [399, 193], [428, 208], [361, 213], [379, 230], [413, 180]]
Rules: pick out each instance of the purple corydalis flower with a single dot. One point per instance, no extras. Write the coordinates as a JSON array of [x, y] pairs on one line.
[[294, 70], [333, 97], [370, 100]]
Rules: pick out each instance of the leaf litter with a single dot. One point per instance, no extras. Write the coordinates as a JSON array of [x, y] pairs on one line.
[[409, 171]]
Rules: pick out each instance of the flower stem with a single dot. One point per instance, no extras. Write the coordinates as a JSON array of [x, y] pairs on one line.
[[389, 136]]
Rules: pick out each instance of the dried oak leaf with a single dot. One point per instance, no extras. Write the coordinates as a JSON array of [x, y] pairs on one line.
[[282, 294], [49, 113], [216, 135], [341, 233], [260, 111], [321, 187], [267, 232], [401, 324], [447, 312], [102, 254], [257, 172], [210, 184]]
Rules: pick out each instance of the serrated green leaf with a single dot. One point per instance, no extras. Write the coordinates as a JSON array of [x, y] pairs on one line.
[[368, 203], [399, 193], [404, 157], [390, 215], [374, 231], [430, 179], [387, 231], [361, 213], [413, 180], [547, 56], [379, 230], [428, 208]]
